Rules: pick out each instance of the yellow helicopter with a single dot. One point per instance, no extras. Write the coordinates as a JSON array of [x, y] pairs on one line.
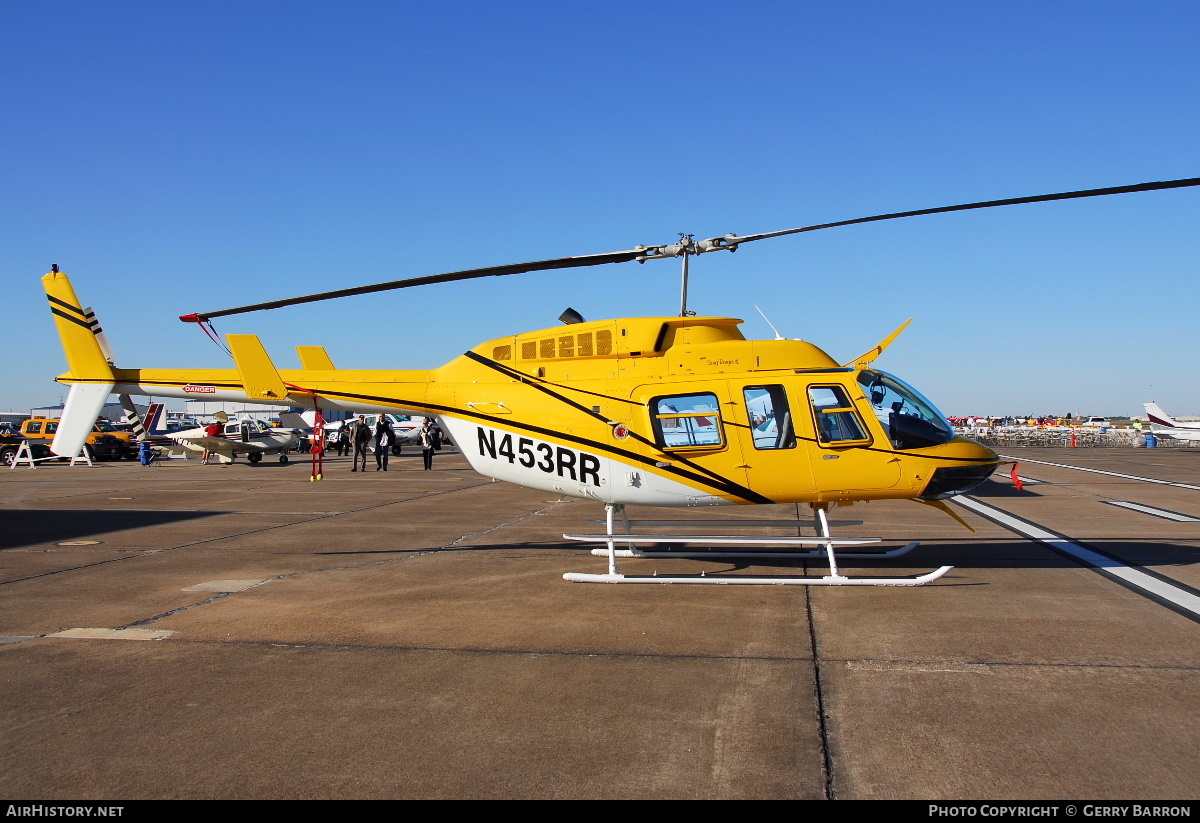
[[675, 411]]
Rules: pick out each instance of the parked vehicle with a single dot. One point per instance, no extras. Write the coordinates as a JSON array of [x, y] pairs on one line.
[[105, 442], [10, 444]]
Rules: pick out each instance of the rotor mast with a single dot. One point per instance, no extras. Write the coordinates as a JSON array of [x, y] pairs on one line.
[[685, 240]]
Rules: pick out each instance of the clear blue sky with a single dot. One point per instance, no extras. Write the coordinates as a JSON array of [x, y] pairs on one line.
[[187, 156]]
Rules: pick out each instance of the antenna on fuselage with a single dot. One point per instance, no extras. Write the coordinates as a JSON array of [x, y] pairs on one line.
[[778, 336]]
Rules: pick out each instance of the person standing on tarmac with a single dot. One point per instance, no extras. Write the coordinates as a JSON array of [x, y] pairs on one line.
[[343, 439], [362, 438], [428, 444], [384, 437], [211, 430]]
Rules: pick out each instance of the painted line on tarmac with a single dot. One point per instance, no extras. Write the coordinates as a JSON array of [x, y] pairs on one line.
[[1110, 474], [1175, 596], [1165, 514]]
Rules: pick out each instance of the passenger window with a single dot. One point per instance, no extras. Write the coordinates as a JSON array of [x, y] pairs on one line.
[[688, 421], [837, 420], [770, 417], [34, 428], [51, 428]]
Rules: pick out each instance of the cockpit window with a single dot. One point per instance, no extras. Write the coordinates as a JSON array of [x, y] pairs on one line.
[[911, 421], [838, 423]]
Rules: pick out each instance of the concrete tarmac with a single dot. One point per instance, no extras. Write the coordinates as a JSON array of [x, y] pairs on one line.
[[189, 631]]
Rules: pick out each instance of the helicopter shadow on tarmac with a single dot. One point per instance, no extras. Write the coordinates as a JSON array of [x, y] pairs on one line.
[[962, 553], [28, 527], [992, 489]]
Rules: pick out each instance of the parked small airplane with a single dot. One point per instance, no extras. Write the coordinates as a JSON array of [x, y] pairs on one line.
[[1164, 425], [252, 438]]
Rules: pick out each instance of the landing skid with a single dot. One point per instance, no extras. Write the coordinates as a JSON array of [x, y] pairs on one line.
[[830, 580], [823, 540]]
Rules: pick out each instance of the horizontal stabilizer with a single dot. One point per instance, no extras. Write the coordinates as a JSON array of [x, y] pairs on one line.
[[259, 376]]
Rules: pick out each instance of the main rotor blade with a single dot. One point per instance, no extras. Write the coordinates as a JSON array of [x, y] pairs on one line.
[[467, 274], [986, 204], [727, 243]]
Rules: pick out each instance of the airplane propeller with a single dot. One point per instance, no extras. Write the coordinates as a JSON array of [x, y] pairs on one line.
[[684, 248]]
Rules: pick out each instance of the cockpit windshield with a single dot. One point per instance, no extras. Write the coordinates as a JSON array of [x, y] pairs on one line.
[[911, 421]]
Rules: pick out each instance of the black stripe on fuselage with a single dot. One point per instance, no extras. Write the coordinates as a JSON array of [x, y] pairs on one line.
[[731, 486], [633, 457], [541, 384]]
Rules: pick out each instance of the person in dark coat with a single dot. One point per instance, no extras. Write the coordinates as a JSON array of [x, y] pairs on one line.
[[362, 439], [429, 444], [384, 438]]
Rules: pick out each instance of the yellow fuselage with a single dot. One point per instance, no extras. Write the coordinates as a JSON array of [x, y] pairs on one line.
[[590, 410]]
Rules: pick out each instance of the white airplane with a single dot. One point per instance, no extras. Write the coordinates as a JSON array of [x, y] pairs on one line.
[[252, 438], [1164, 425]]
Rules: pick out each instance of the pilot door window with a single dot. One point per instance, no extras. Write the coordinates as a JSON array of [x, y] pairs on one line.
[[687, 421], [838, 423], [770, 417]]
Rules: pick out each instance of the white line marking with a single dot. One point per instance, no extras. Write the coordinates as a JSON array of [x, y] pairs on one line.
[[1184, 600], [1163, 513], [115, 634], [1110, 474]]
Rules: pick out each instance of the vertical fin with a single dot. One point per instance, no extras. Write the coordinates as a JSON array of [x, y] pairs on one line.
[[1159, 417], [85, 357], [79, 416], [314, 357]]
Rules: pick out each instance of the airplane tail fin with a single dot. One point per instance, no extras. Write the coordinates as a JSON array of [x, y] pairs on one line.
[[90, 371], [151, 425], [1159, 417]]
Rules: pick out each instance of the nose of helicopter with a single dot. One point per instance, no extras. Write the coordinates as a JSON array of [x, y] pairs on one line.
[[975, 463]]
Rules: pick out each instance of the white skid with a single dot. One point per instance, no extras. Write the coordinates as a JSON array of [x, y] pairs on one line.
[[734, 580], [722, 538], [771, 555], [823, 540]]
